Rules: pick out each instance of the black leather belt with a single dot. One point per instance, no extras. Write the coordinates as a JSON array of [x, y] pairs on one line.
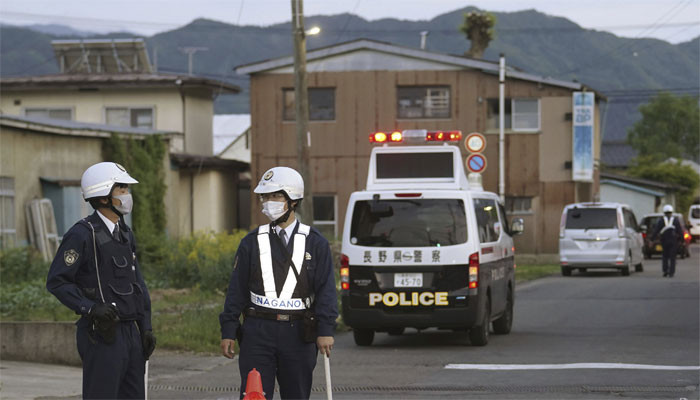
[[252, 312]]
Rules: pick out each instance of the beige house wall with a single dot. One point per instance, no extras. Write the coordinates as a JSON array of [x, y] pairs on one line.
[[207, 201], [89, 106], [190, 111], [199, 116], [26, 157]]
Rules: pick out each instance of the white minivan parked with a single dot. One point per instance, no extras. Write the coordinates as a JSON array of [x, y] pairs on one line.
[[599, 235]]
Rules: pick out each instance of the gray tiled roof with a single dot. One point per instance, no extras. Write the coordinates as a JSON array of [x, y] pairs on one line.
[[118, 80], [77, 126]]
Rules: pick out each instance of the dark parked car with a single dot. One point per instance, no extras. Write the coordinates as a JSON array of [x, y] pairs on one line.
[[651, 248]]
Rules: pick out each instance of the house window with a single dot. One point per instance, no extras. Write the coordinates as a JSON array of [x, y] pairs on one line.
[[325, 216], [321, 104], [519, 205], [125, 116], [423, 101], [7, 212], [519, 115], [54, 113]]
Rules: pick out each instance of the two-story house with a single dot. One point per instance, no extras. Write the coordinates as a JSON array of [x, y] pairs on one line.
[[364, 86]]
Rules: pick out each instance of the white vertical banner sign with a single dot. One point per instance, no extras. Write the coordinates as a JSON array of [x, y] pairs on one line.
[[582, 151]]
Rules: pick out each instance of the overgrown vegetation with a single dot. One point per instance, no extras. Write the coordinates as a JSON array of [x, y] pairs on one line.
[[143, 159]]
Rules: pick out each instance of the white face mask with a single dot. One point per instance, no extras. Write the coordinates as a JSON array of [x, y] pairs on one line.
[[127, 203], [273, 209]]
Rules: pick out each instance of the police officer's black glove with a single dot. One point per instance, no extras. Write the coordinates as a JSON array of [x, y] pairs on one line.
[[104, 319], [149, 344]]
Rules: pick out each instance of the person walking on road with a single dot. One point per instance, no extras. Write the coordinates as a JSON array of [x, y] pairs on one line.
[[96, 274], [284, 285], [670, 230]]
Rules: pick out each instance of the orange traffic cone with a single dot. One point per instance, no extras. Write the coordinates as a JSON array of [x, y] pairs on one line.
[[253, 386]]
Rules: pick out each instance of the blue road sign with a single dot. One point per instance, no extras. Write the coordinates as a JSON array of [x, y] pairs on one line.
[[476, 163]]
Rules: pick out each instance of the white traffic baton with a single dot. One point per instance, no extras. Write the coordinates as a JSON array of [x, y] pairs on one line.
[[145, 382], [327, 365]]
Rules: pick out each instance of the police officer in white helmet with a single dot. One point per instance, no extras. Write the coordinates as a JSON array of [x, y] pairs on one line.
[[96, 274], [669, 228], [284, 285]]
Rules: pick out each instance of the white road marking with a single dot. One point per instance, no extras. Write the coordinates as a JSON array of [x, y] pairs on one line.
[[518, 367]]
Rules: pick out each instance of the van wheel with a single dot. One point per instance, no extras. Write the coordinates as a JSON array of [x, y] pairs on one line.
[[502, 325], [363, 337], [566, 271], [639, 268], [395, 331], [479, 335]]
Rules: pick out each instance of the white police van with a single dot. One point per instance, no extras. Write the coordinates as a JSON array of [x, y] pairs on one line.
[[423, 247]]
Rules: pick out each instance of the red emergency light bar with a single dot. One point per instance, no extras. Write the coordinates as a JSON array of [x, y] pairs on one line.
[[416, 135], [443, 136], [381, 137]]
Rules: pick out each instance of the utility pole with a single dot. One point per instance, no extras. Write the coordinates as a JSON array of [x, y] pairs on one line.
[[301, 103], [190, 52], [501, 129]]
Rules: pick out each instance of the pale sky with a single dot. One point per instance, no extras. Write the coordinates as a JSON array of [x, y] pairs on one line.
[[674, 21]]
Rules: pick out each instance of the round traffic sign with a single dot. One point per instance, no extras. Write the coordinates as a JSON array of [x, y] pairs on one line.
[[475, 142], [476, 163]]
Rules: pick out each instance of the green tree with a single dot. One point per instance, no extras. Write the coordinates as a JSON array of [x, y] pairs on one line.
[[478, 27], [670, 127], [669, 172]]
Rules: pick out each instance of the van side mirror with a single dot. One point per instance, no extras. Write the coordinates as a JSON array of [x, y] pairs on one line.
[[517, 226]]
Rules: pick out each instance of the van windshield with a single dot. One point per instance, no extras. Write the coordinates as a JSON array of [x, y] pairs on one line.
[[695, 212], [408, 223], [591, 218]]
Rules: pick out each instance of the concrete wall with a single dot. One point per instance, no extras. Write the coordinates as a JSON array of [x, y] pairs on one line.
[[43, 342]]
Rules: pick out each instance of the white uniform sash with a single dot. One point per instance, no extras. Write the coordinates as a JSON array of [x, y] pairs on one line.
[[285, 300], [668, 224]]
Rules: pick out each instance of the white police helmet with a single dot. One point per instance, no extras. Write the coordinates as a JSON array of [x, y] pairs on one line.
[[668, 208], [282, 178], [98, 180]]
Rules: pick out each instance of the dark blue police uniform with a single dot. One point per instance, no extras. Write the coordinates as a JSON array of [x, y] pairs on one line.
[[669, 242], [110, 370], [271, 340]]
